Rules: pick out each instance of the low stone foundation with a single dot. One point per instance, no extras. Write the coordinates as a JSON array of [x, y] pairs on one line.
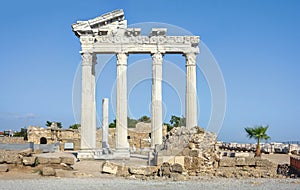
[[29, 159]]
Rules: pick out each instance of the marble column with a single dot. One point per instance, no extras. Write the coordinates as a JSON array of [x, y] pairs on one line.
[[122, 145], [105, 144], [88, 102], [156, 105], [191, 92]]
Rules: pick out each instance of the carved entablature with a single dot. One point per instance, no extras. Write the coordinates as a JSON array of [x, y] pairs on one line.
[[100, 25], [109, 34]]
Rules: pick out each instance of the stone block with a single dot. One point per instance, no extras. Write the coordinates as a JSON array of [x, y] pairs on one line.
[[109, 168], [68, 160], [187, 162], [177, 168], [179, 160], [193, 163], [250, 161], [227, 162], [26, 152], [3, 168], [240, 161], [48, 171], [239, 154], [54, 160], [137, 171], [263, 163], [12, 159], [165, 169], [123, 171], [43, 160], [195, 153], [29, 161], [186, 152], [151, 170], [177, 177]]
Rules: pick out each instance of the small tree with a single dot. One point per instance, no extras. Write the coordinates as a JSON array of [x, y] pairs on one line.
[[22, 133], [75, 126], [58, 124], [131, 123], [112, 124], [145, 119], [177, 121], [258, 133]]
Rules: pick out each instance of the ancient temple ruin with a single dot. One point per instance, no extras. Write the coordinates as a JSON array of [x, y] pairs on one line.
[[108, 34]]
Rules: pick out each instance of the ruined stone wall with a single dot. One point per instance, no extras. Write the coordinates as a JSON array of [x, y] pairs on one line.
[[137, 137], [13, 140]]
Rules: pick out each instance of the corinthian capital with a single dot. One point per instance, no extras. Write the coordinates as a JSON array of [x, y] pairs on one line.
[[190, 58], [122, 58], [87, 58], [157, 58]]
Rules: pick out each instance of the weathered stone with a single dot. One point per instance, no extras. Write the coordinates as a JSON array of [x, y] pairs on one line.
[[150, 170], [165, 169], [186, 152], [262, 163], [179, 160], [54, 160], [177, 168], [29, 161], [195, 153], [26, 152], [68, 160], [192, 145], [250, 161], [177, 177], [227, 162], [240, 161], [43, 160], [109, 168], [137, 171], [123, 171], [48, 171], [12, 159], [239, 154], [3, 168]]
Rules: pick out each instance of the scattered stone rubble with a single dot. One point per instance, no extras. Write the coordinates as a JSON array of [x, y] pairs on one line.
[[193, 152], [46, 164]]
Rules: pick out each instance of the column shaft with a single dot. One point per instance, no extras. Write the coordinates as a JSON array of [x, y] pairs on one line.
[[121, 118], [156, 105], [105, 123], [88, 103], [191, 92]]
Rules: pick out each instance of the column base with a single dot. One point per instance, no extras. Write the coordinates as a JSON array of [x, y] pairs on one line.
[[122, 153], [86, 154]]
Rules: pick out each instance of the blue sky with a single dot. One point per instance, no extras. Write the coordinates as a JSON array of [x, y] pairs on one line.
[[256, 44]]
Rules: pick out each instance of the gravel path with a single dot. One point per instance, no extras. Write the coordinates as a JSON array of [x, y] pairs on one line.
[[119, 183]]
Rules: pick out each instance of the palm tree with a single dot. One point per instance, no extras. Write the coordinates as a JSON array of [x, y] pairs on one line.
[[258, 133]]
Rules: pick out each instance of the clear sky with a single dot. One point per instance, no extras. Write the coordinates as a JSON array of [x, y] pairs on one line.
[[255, 42]]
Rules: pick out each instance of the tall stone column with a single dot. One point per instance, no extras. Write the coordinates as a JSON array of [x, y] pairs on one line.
[[191, 113], [105, 144], [88, 104], [156, 105], [122, 146]]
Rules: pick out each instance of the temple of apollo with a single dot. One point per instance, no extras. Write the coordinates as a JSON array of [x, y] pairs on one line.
[[108, 34]]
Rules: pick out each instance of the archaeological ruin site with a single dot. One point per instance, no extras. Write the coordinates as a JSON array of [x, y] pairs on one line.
[[148, 151]]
